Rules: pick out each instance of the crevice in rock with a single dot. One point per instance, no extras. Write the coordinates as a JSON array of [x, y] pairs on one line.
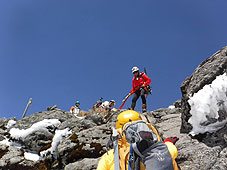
[[3, 152]]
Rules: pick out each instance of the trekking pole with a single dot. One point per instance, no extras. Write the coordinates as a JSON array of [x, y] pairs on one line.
[[26, 109]]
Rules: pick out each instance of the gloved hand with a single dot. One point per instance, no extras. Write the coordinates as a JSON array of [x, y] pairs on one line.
[[171, 139]]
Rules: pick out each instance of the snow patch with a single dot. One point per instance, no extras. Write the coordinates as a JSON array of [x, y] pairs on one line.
[[44, 125], [10, 143], [58, 137], [171, 107], [79, 117], [10, 124], [31, 156], [205, 105]]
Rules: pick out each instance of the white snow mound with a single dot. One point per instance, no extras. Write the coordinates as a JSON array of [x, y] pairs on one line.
[[39, 126], [205, 105]]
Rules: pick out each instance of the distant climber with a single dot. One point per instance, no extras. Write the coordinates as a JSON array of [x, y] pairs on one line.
[[101, 106], [140, 82], [97, 104], [75, 109], [107, 105], [137, 145]]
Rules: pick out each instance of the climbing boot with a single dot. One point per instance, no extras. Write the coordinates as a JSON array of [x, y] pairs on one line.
[[130, 108], [144, 108]]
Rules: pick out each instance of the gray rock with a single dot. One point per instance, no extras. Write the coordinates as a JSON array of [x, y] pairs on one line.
[[221, 162], [177, 104], [84, 164], [89, 143], [97, 119], [3, 134], [10, 156], [3, 123], [37, 140]]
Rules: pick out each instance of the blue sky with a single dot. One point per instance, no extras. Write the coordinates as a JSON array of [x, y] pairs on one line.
[[57, 52]]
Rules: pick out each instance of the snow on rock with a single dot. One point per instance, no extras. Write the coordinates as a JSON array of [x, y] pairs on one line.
[[31, 156], [205, 106], [171, 107], [58, 137], [10, 143], [44, 125], [5, 142], [10, 124]]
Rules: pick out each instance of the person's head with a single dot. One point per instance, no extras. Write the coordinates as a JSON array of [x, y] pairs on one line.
[[112, 103], [127, 116], [77, 103], [135, 70]]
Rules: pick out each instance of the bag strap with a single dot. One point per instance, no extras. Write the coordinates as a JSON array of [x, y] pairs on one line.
[[130, 158], [116, 151]]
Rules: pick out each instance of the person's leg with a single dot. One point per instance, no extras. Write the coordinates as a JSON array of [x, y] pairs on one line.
[[135, 98], [143, 97]]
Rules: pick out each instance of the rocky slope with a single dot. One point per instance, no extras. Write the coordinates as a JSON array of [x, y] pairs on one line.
[[56, 139]]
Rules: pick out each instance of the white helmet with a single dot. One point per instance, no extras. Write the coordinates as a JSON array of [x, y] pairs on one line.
[[134, 69], [113, 101]]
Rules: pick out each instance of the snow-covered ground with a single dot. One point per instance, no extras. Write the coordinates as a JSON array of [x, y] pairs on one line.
[[205, 105]]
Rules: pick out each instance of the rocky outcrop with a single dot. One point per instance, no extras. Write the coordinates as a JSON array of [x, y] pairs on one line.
[[203, 75], [87, 141], [83, 148]]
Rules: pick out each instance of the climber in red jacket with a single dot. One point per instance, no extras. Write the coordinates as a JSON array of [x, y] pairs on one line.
[[140, 82]]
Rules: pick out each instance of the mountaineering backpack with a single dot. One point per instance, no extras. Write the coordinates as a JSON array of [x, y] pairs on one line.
[[146, 147], [138, 131], [149, 90]]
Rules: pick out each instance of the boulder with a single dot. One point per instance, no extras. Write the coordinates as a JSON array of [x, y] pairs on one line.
[[89, 143], [85, 164]]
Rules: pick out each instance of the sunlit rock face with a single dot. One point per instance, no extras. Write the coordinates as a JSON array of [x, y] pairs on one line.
[[204, 96]]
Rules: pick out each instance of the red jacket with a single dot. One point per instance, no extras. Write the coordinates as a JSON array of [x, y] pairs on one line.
[[137, 82]]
